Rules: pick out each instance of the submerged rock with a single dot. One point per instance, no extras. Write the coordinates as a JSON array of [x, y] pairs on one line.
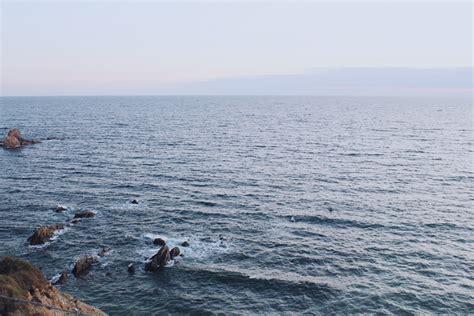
[[44, 234], [62, 278], [185, 244], [174, 252], [84, 214], [14, 139], [159, 260], [131, 268], [134, 201], [83, 265], [60, 209], [105, 251], [159, 242], [75, 221], [21, 280]]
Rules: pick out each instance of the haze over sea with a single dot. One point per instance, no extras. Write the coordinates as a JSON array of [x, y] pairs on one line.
[[289, 204]]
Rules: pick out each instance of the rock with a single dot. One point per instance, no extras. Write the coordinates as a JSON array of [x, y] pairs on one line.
[[75, 221], [60, 209], [131, 268], [62, 278], [159, 242], [21, 280], [14, 139], [84, 214], [44, 234], [108, 273], [134, 201], [292, 219], [174, 252], [185, 244], [159, 260], [104, 252], [330, 209], [83, 265]]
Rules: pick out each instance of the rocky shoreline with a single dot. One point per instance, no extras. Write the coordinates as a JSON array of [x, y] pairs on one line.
[[29, 293], [25, 290]]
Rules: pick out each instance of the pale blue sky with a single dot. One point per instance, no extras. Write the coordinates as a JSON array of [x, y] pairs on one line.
[[92, 47]]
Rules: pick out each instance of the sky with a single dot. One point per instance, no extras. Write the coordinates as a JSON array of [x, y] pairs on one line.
[[151, 47]]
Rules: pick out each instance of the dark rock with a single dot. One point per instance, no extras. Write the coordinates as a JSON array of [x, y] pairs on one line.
[[75, 221], [134, 201], [44, 234], [62, 278], [14, 139], [159, 260], [84, 214], [108, 273], [174, 252], [83, 265], [104, 252], [159, 242], [60, 209], [185, 244], [330, 209], [131, 268]]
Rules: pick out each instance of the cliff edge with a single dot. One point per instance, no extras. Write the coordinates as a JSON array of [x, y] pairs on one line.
[[24, 290]]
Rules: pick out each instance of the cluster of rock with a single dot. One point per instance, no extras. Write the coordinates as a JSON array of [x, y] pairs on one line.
[[44, 233], [162, 257], [15, 140], [31, 294]]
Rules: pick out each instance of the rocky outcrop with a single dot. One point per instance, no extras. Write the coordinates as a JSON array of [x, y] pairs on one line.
[[31, 294], [159, 260], [60, 209], [14, 139], [159, 242], [84, 214], [62, 278], [83, 265], [44, 234], [174, 253], [105, 251]]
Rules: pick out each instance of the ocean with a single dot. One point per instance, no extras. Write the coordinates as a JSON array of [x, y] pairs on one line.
[[318, 205]]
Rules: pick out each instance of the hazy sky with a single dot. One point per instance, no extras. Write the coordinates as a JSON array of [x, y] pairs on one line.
[[109, 47]]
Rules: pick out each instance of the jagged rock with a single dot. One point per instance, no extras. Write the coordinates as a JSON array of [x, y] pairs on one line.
[[131, 268], [159, 242], [174, 252], [62, 278], [83, 265], [44, 234], [104, 252], [60, 209], [134, 201], [159, 260], [84, 214], [21, 280], [14, 139], [185, 244]]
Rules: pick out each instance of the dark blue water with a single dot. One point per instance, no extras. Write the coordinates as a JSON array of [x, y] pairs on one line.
[[290, 204]]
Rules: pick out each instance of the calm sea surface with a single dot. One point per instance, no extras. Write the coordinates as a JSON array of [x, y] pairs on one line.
[[290, 204]]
